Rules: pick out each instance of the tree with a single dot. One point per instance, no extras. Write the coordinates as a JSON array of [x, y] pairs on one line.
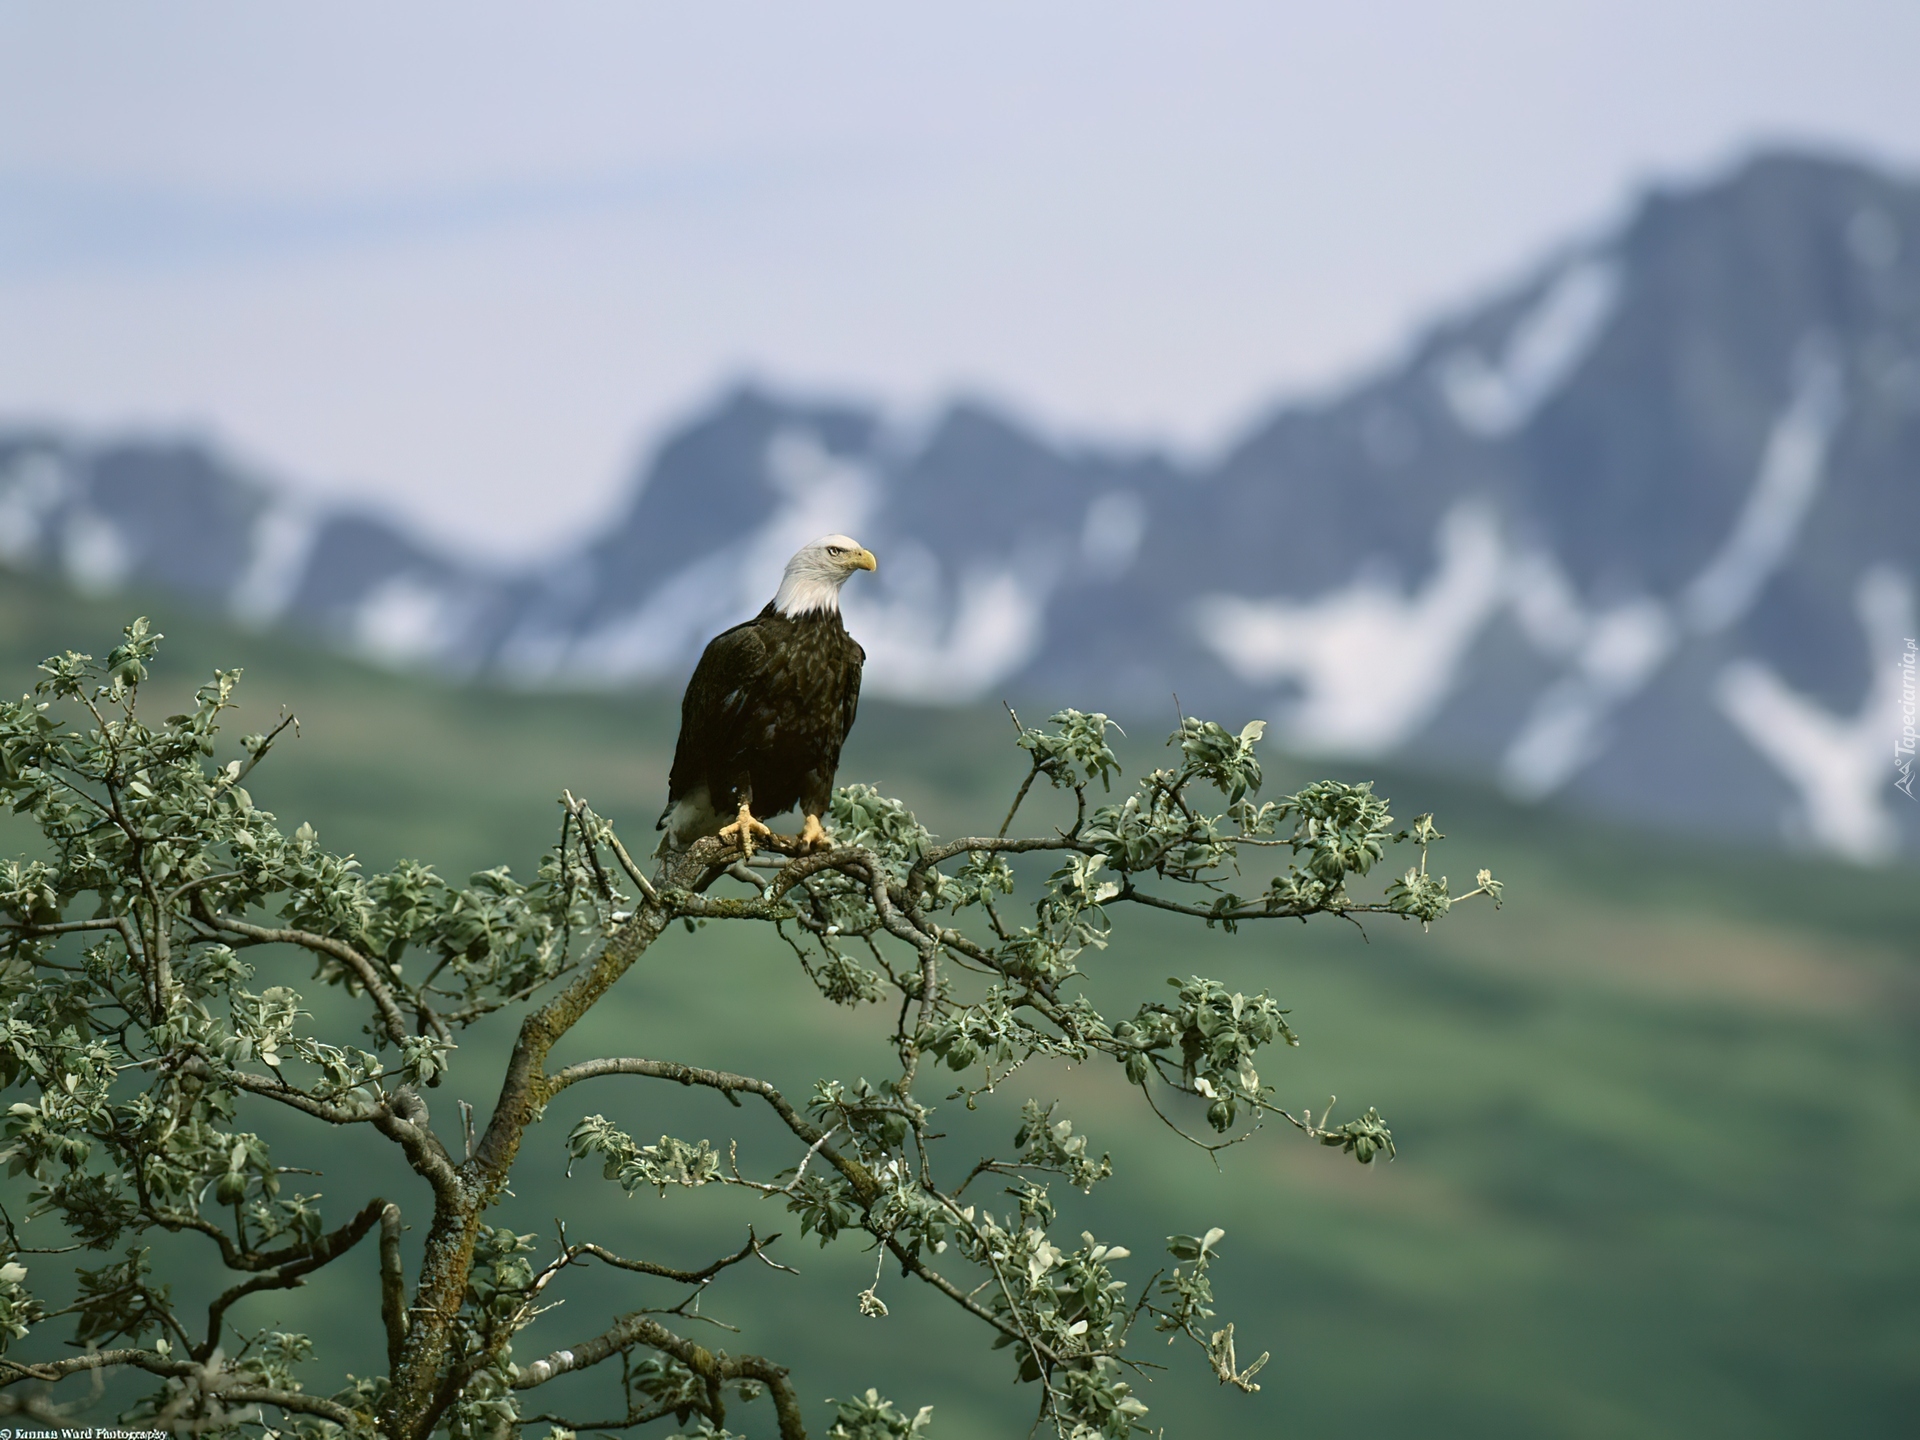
[[146, 1061]]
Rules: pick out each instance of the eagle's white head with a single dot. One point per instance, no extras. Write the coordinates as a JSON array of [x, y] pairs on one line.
[[817, 571]]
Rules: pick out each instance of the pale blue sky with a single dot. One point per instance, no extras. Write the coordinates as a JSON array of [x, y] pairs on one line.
[[463, 260]]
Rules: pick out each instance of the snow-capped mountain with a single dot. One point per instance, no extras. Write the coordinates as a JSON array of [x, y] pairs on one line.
[[1640, 531]]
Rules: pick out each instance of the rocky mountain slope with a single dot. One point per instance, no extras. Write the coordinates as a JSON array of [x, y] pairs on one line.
[[1640, 531]]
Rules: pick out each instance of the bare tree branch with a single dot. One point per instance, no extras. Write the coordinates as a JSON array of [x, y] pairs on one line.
[[393, 1285], [747, 1251], [323, 1251], [227, 1384], [631, 1330]]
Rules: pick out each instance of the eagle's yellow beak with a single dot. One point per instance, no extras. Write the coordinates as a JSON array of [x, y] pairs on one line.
[[863, 560]]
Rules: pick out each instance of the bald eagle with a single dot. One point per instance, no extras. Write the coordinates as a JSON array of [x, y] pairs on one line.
[[768, 707]]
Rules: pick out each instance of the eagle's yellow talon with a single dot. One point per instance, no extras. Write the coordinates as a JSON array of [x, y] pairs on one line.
[[813, 835], [743, 830]]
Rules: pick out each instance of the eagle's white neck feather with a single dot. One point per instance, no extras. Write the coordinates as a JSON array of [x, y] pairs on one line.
[[807, 592]]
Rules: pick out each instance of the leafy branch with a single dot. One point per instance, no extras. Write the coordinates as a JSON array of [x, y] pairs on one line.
[[138, 1040]]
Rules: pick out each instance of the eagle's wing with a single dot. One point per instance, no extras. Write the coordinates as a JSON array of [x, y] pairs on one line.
[[850, 702], [716, 704], [816, 786]]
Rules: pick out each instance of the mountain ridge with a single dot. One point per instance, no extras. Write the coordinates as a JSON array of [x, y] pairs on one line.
[[1629, 531]]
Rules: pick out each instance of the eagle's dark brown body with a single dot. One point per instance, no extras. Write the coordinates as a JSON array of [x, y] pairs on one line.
[[764, 717]]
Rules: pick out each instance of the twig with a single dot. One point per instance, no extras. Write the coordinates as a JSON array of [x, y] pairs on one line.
[[753, 1247], [579, 810], [260, 754]]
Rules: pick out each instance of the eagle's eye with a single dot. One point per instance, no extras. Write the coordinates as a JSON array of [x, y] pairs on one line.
[[836, 549]]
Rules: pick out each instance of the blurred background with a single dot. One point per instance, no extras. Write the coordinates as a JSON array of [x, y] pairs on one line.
[[1518, 405]]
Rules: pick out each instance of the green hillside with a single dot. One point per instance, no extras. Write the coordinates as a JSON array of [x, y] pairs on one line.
[[1658, 1168]]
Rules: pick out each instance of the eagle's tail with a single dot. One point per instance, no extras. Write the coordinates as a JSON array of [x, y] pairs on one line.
[[687, 819]]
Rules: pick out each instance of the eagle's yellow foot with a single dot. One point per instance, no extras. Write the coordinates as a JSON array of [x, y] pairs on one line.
[[814, 835], [743, 830]]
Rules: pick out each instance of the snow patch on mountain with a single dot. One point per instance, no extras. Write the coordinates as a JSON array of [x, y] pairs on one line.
[[1783, 492], [404, 619], [281, 545], [1838, 765], [1617, 653], [938, 653], [1541, 351], [94, 552], [1373, 662], [32, 488], [678, 616], [1546, 605]]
